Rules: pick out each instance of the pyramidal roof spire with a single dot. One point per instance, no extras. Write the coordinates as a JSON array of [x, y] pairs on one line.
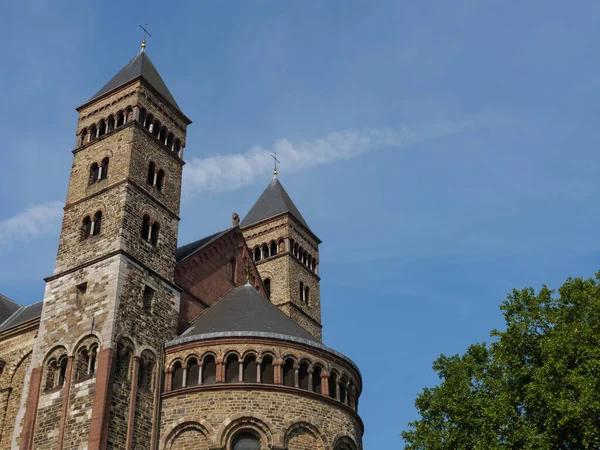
[[139, 67]]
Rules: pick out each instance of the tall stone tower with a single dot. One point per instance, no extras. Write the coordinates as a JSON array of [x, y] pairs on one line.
[[111, 302], [286, 253]]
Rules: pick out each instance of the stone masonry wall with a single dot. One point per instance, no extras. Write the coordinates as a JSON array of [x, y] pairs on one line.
[[15, 351]]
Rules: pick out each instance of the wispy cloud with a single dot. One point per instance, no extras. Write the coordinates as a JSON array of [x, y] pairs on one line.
[[34, 222], [232, 171]]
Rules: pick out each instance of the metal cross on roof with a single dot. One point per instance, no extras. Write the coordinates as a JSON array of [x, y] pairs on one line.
[[274, 156], [145, 33]]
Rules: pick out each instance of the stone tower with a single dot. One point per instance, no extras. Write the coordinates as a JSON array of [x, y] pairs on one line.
[[286, 253], [111, 302]]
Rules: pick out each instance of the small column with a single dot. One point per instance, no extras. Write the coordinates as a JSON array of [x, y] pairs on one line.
[[184, 378], [92, 226], [262, 255], [296, 377], [317, 268], [180, 154], [287, 244], [168, 379], [97, 132], [155, 178], [324, 383], [258, 364], [310, 379], [240, 371], [100, 167], [200, 373], [277, 375], [337, 390], [220, 372], [136, 114]]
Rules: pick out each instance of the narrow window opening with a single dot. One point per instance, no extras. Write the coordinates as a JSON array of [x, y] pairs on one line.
[[146, 228], [104, 169], [80, 291], [154, 233], [151, 173], [193, 373], [267, 284], [250, 369], [209, 370], [267, 371], [86, 227], [232, 369], [96, 224], [94, 169], [147, 299], [160, 177], [289, 373]]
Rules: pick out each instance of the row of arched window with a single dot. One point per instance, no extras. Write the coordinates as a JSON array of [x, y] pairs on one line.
[[124, 365], [107, 125], [150, 230], [265, 251], [156, 177], [91, 225], [264, 369], [303, 256], [159, 131], [55, 371], [99, 172], [147, 120]]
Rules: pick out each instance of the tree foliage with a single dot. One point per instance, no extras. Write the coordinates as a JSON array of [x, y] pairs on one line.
[[535, 387]]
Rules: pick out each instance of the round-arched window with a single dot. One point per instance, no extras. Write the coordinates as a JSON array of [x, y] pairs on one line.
[[246, 441]]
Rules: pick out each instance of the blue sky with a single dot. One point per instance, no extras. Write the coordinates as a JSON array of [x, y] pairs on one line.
[[445, 152]]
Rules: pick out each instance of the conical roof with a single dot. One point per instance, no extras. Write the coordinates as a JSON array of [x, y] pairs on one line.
[[139, 66], [244, 309], [272, 202]]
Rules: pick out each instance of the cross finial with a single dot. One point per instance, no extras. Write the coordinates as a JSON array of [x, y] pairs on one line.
[[145, 33], [274, 156]]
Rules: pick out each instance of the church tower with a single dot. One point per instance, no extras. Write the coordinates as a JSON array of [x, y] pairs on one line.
[[286, 253], [111, 302]]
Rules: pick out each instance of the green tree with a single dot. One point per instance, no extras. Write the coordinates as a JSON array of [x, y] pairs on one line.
[[535, 387]]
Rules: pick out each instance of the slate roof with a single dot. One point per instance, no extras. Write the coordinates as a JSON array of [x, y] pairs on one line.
[[23, 315], [244, 309], [272, 202], [139, 66], [7, 308], [183, 252]]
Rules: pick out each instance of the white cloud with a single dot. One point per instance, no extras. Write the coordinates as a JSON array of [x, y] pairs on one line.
[[35, 221], [229, 172]]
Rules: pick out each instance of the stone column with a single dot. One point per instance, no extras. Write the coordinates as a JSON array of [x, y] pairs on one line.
[[136, 114], [184, 378], [310, 379], [287, 244], [277, 372], [296, 377], [220, 376], [337, 390], [324, 383], [200, 372], [132, 402], [258, 365], [240, 371]]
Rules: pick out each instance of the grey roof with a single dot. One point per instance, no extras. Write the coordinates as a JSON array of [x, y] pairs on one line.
[[244, 309], [7, 308], [183, 252], [23, 315], [272, 202], [139, 66]]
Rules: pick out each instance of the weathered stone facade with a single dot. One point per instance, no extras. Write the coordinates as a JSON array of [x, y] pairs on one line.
[[115, 360]]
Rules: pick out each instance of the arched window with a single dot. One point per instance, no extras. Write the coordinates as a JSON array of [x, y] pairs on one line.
[[333, 384], [177, 382], [267, 284], [289, 375], [250, 369], [93, 133], [104, 169], [303, 376], [81, 366], [51, 374], [83, 136], [267, 372], [209, 370], [146, 228], [124, 353], [177, 146], [149, 124], [344, 390], [101, 128], [301, 291], [96, 223], [306, 294], [193, 375], [273, 249], [156, 128], [170, 141], [154, 233], [265, 251], [160, 178], [245, 441], [94, 169], [232, 369], [151, 173], [62, 370], [111, 124], [281, 245], [316, 387], [86, 227], [257, 254], [121, 119]]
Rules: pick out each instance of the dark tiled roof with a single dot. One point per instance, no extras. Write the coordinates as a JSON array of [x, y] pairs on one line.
[[272, 202], [23, 315], [245, 309], [139, 66], [186, 250], [7, 308]]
